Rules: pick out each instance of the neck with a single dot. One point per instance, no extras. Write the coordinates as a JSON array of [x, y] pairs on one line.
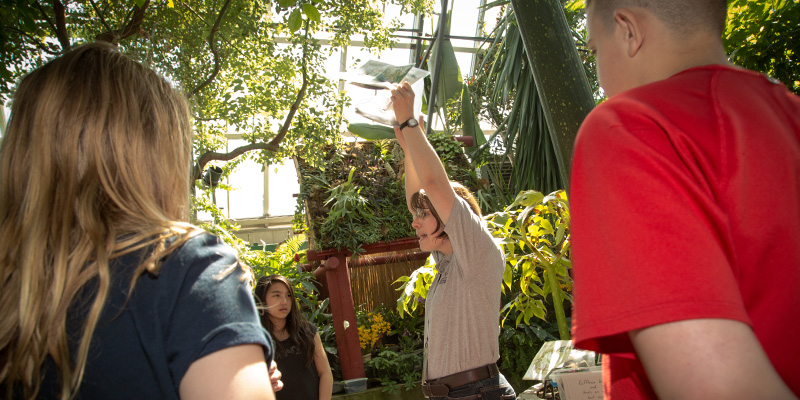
[[278, 324], [697, 57], [672, 56], [447, 247]]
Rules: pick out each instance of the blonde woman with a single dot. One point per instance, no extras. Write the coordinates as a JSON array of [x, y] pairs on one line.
[[107, 292]]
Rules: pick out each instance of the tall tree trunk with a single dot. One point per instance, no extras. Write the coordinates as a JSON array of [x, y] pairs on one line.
[[557, 71]]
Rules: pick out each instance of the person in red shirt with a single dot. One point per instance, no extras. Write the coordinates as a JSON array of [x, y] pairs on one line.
[[685, 200]]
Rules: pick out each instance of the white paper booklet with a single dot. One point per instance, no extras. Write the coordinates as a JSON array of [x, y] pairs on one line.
[[377, 75], [378, 78]]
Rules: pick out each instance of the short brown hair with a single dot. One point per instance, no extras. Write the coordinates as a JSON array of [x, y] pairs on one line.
[[680, 16], [421, 201]]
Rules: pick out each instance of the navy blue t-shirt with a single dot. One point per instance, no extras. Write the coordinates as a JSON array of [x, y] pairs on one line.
[[141, 349]]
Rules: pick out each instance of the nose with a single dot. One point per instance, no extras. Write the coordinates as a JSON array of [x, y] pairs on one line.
[[416, 223]]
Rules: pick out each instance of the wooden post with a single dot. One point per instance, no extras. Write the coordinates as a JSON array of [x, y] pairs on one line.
[[342, 306], [344, 318]]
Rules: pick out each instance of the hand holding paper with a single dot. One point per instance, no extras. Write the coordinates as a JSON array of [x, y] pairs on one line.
[[382, 77], [403, 101]]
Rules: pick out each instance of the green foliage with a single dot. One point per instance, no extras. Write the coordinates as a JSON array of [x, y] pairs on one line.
[[371, 131], [241, 62], [520, 155], [450, 80], [453, 100], [414, 288], [397, 362], [765, 36], [351, 219], [350, 197], [535, 239], [395, 368], [534, 233]]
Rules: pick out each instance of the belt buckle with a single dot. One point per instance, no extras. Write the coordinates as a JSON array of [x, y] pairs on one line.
[[435, 390]]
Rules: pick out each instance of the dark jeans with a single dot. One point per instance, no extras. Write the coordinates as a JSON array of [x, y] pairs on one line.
[[494, 388]]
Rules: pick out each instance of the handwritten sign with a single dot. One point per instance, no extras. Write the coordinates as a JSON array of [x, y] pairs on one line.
[[581, 385]]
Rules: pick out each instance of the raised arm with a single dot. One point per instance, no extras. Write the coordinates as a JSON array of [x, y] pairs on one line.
[[411, 178], [421, 158]]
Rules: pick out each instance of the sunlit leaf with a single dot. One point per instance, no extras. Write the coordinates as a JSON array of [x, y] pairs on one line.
[[311, 12], [295, 20], [507, 276], [547, 227]]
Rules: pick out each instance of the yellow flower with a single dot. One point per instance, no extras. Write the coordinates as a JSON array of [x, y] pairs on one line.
[[369, 336]]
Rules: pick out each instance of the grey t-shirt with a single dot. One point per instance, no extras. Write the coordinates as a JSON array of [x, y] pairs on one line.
[[462, 309]]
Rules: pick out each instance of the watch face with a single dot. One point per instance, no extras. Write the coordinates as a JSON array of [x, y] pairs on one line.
[[412, 122]]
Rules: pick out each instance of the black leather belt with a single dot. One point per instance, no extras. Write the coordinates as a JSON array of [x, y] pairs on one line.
[[441, 387]]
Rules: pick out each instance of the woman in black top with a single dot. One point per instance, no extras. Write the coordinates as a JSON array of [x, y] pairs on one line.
[[298, 347]]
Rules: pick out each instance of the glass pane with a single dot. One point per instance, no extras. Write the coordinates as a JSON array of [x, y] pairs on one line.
[[246, 200], [283, 185]]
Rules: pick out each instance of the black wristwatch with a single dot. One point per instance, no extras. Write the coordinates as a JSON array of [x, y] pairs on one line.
[[412, 122]]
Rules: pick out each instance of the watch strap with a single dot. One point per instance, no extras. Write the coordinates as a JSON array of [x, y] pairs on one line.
[[407, 123]]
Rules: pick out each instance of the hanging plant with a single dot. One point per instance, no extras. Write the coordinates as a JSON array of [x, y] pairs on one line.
[[356, 196]]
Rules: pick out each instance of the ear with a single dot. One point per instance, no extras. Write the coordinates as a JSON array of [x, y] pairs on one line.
[[630, 26]]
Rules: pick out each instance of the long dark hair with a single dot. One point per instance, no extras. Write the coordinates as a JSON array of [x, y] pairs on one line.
[[300, 331]]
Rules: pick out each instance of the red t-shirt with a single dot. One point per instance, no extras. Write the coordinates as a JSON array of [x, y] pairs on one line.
[[685, 201]]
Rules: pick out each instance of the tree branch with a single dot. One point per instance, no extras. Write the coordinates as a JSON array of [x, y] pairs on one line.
[[45, 16], [132, 27], [213, 155], [49, 49], [200, 17], [100, 15], [213, 45], [300, 95], [274, 144], [61, 25]]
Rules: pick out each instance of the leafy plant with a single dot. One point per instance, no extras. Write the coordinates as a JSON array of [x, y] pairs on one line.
[[414, 288], [765, 36], [397, 361], [350, 212], [394, 368], [535, 238], [534, 232], [320, 316], [518, 346], [350, 197], [507, 94]]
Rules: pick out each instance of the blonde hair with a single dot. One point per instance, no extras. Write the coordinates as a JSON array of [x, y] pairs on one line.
[[94, 165]]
